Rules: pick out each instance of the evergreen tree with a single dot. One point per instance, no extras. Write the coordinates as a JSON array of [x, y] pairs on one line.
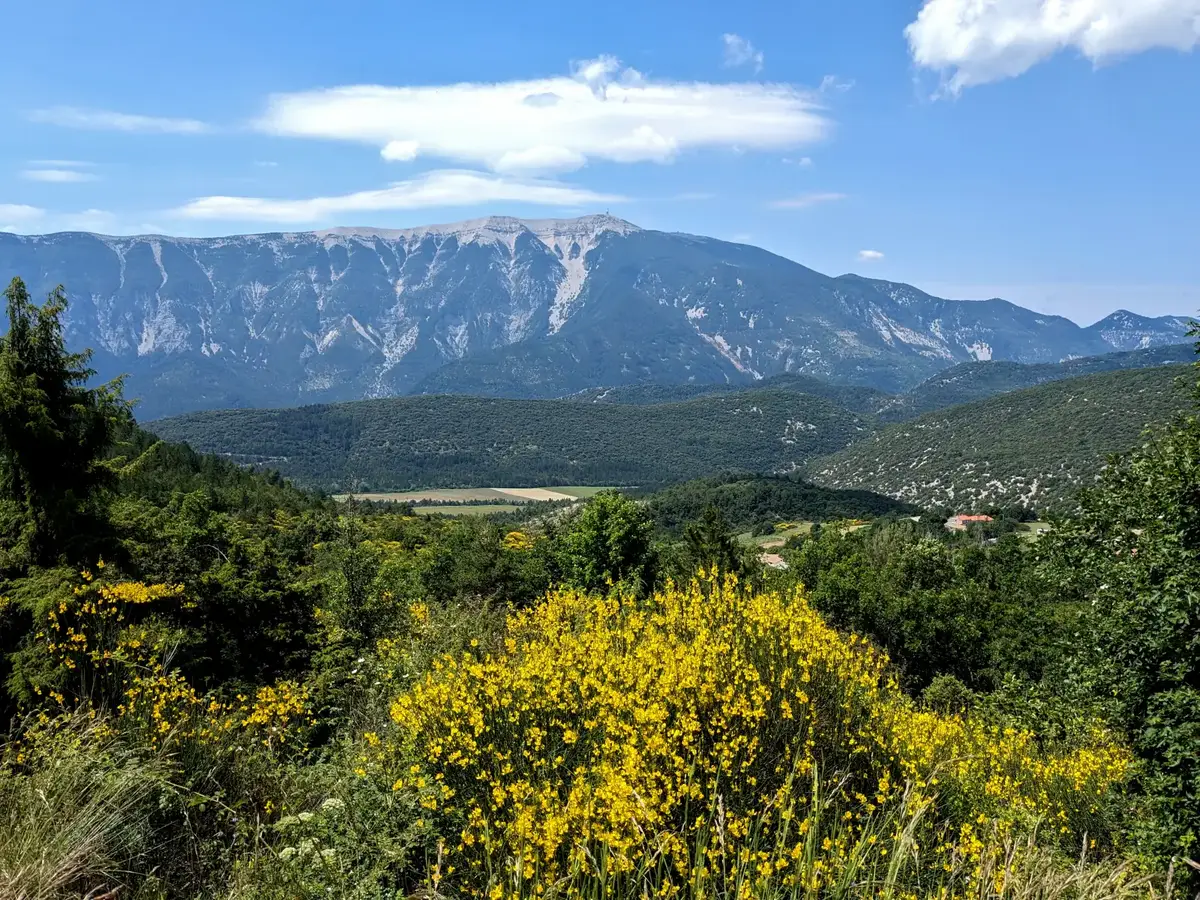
[[54, 433], [709, 543]]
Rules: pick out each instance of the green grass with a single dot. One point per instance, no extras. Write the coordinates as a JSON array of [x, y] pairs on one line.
[[467, 509], [581, 491], [1031, 531], [777, 538]]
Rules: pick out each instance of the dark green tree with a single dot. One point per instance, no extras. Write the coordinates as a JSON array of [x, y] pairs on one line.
[[608, 542], [54, 433], [710, 544]]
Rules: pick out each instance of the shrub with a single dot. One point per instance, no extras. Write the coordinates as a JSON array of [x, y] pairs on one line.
[[610, 735]]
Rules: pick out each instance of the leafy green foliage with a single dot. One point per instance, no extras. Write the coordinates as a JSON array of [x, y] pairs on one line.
[[608, 543], [749, 500], [1133, 555], [938, 605], [54, 431]]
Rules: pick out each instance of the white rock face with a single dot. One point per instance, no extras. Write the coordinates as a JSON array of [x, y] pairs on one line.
[[499, 302]]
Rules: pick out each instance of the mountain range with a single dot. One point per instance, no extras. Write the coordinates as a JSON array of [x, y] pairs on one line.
[[510, 308]]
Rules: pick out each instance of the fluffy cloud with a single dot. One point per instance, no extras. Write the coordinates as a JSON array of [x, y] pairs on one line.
[[806, 200], [106, 120], [973, 42], [58, 176], [28, 219], [18, 216], [601, 111], [433, 189], [869, 255], [740, 52]]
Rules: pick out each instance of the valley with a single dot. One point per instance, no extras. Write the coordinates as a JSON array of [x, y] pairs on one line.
[[1033, 446]]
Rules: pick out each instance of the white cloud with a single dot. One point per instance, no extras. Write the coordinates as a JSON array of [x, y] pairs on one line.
[[18, 216], [972, 42], [432, 189], [806, 200], [541, 159], [803, 162], [600, 112], [59, 176], [740, 52], [106, 120], [60, 164], [833, 84], [869, 255], [100, 220], [31, 219]]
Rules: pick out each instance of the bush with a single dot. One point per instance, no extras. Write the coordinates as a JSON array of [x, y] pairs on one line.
[[610, 734]]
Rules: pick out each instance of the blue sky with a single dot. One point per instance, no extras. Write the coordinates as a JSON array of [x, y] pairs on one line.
[[1046, 153]]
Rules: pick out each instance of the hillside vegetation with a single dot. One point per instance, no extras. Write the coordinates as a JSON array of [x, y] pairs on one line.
[[1036, 446], [1031, 446], [745, 501], [853, 397], [412, 442], [968, 382], [216, 685]]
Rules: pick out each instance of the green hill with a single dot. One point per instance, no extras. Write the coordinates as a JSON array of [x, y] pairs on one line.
[[749, 500], [968, 382], [853, 397], [435, 441], [1034, 446]]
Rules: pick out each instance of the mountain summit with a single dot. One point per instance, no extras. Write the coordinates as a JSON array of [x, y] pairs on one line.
[[505, 306]]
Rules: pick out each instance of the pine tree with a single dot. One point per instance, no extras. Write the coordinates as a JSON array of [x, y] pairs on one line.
[[54, 433], [710, 543]]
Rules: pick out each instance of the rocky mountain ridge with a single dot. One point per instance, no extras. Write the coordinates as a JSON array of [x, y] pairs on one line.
[[506, 307]]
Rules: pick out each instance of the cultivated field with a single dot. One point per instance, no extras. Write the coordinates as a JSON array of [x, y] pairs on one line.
[[463, 501]]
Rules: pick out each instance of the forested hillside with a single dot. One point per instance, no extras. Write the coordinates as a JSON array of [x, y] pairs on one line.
[[968, 382], [1035, 446], [746, 501], [853, 397], [469, 441]]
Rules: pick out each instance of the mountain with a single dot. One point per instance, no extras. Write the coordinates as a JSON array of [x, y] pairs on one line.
[[449, 441], [1129, 331], [505, 307], [976, 381], [1036, 446]]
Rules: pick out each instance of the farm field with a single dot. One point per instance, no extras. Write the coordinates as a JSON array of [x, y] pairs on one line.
[[480, 495], [777, 538], [465, 509]]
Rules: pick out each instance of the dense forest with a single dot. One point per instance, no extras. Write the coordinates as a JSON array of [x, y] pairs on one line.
[[1037, 445], [219, 685], [409, 442]]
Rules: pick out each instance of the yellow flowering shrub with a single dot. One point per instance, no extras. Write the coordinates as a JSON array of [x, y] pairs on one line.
[[609, 730], [517, 541], [121, 657]]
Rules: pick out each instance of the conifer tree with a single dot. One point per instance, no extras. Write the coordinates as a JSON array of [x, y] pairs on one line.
[[54, 433]]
